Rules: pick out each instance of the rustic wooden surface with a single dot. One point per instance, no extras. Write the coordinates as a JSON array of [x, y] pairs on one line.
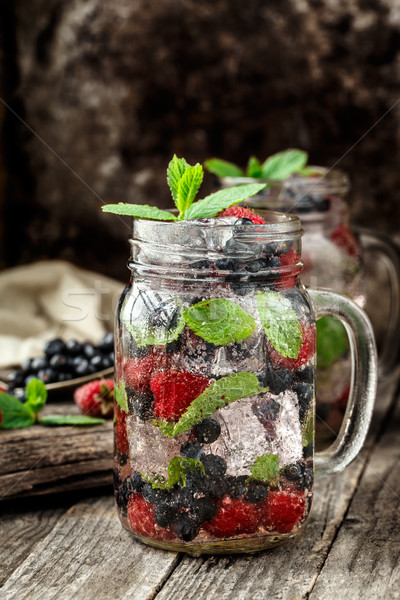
[[349, 548], [39, 460]]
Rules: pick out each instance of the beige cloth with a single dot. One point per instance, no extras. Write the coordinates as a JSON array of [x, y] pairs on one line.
[[52, 299]]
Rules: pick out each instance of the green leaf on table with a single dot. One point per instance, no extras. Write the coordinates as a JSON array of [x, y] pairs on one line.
[[142, 211], [178, 468], [281, 165], [224, 391], [254, 168], [188, 187], [212, 205], [223, 168], [36, 395], [121, 397], [266, 468], [13, 413], [219, 321], [332, 341], [280, 323], [176, 169], [59, 420]]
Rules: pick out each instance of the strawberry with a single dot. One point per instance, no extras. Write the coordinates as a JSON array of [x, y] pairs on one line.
[[283, 509], [141, 519], [242, 213], [307, 350], [344, 239], [120, 435], [138, 371], [96, 398], [174, 391], [234, 517]]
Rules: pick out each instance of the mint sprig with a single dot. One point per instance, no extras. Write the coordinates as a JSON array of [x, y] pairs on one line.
[[280, 323], [279, 166], [219, 321], [178, 468], [184, 181], [219, 394], [15, 414]]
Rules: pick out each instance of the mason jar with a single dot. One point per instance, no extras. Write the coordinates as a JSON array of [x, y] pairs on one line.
[[215, 376], [335, 256]]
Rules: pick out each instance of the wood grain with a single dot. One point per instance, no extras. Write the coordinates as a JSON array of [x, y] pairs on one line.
[[88, 555], [38, 459]]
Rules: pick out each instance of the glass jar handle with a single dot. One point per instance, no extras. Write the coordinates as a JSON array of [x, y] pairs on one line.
[[360, 405], [372, 241]]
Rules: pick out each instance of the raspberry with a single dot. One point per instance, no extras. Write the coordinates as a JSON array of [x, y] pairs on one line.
[[138, 371], [242, 213], [174, 391], [120, 435], [307, 350], [283, 509], [141, 519], [344, 239], [96, 398], [234, 517]]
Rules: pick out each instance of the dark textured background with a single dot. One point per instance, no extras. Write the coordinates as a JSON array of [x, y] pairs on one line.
[[115, 88]]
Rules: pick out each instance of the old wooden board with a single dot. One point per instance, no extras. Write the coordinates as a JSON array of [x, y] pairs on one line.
[[39, 460], [88, 555]]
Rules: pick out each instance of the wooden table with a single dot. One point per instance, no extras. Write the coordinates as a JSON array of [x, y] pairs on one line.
[[75, 548]]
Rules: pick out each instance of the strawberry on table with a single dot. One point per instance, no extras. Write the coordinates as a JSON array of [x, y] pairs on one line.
[[242, 213], [96, 399], [174, 391]]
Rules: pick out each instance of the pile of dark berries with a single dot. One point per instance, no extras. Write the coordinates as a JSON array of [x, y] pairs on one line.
[[63, 361]]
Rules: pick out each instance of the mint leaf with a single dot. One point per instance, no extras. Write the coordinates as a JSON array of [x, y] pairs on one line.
[[56, 420], [223, 168], [142, 211], [219, 321], [120, 396], [217, 202], [283, 164], [221, 393], [36, 395], [332, 341], [178, 468], [176, 169], [308, 171], [188, 187], [308, 429], [13, 413], [254, 168], [266, 468], [280, 323]]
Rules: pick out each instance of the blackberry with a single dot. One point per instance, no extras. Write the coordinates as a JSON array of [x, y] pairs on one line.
[[192, 450], [166, 513], [294, 472], [272, 262], [234, 246], [279, 381], [136, 482], [82, 367], [322, 204], [304, 204], [227, 264], [256, 493], [241, 287], [214, 466], [153, 495], [106, 343], [200, 264], [304, 393], [58, 361], [237, 486], [174, 346], [73, 347], [202, 510], [216, 488], [308, 478], [185, 528], [242, 222], [305, 375], [56, 346], [255, 265], [16, 379], [196, 483], [207, 431], [46, 375], [98, 362], [89, 350], [141, 403]]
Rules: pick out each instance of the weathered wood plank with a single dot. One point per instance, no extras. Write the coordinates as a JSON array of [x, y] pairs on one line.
[[20, 531], [39, 459], [288, 572], [365, 556], [88, 555]]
